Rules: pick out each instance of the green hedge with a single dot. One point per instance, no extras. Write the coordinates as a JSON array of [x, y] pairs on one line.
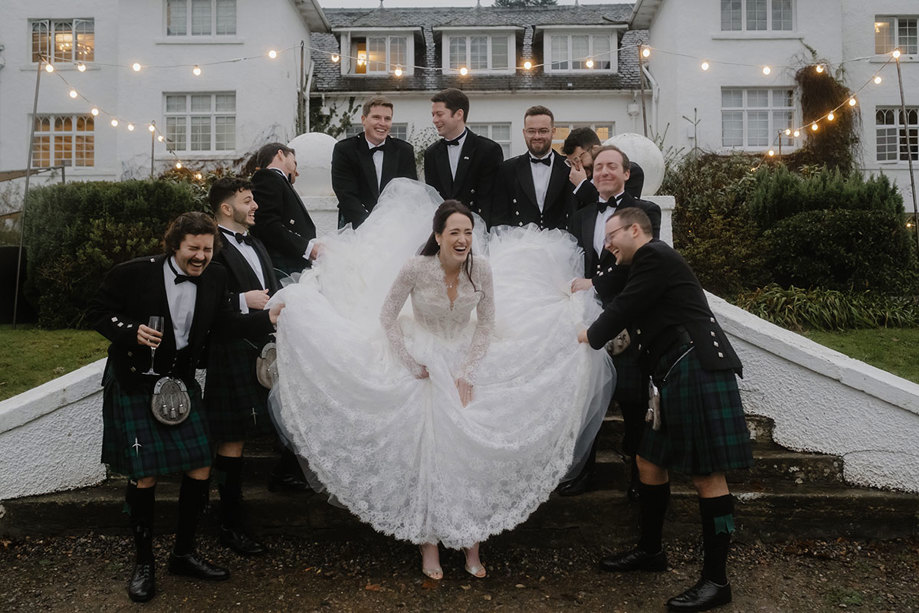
[[75, 233]]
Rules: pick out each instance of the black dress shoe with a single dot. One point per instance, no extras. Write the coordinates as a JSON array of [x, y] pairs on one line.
[[190, 565], [142, 586], [577, 486], [240, 542], [636, 559], [288, 482], [703, 596]]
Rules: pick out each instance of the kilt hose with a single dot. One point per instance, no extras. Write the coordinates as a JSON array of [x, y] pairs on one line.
[[703, 429], [235, 402], [136, 445]]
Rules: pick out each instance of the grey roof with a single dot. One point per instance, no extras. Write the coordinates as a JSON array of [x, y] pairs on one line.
[[428, 77]]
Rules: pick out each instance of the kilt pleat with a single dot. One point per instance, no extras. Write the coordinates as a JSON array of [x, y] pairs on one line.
[[136, 445], [703, 429], [631, 385], [236, 403]]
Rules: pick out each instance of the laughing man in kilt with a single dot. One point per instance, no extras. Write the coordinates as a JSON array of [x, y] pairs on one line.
[[192, 298], [702, 431], [237, 404]]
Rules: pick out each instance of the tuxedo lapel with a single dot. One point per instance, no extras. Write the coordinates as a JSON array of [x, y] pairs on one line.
[[525, 178], [158, 290], [365, 159], [467, 157], [558, 180], [588, 224], [239, 265], [204, 303], [390, 164], [271, 282], [442, 168]]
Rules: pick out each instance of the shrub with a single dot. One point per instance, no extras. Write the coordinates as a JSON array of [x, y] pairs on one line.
[[74, 233]]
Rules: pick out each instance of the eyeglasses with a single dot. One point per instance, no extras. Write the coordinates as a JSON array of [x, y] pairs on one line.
[[609, 235], [540, 132]]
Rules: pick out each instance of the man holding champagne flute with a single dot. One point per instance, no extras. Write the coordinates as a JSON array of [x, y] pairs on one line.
[[157, 312]]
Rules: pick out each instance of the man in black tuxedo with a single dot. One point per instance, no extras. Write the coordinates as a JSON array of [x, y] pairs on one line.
[[698, 426], [462, 165], [578, 149], [534, 187], [191, 296], [283, 223], [363, 164], [610, 173]]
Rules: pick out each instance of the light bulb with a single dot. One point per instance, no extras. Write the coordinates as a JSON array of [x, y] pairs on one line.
[[896, 53], [196, 71], [589, 63], [73, 93], [94, 112], [152, 128], [852, 101], [160, 138], [767, 70], [130, 127], [178, 165], [335, 57], [81, 67], [646, 52], [796, 133], [114, 123], [877, 80], [49, 68], [272, 54], [198, 176], [814, 126], [771, 153], [527, 65], [819, 68], [398, 71], [704, 65], [787, 131], [136, 67], [831, 116], [464, 71]]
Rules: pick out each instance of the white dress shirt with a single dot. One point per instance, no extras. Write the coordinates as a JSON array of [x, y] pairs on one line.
[[251, 255], [602, 218], [541, 174], [377, 161], [454, 151], [181, 298]]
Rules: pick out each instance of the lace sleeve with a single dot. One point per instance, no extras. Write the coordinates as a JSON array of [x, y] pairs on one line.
[[389, 315], [485, 313]]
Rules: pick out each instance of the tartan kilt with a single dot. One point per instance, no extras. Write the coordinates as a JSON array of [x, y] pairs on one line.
[[161, 449], [703, 429], [232, 391], [631, 384]]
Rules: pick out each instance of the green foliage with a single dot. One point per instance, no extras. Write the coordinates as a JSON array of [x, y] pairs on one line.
[[74, 233], [335, 121], [820, 309]]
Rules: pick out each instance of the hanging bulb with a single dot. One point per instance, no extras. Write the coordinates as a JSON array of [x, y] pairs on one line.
[[272, 54], [852, 101], [114, 123], [704, 65], [151, 128], [814, 126], [135, 66], [771, 153], [198, 176], [645, 51], [464, 71], [796, 133], [178, 165], [819, 68], [73, 93], [196, 71], [130, 127], [527, 65], [81, 67], [398, 71], [766, 70], [49, 67], [877, 80], [831, 116], [787, 131], [336, 57], [589, 63], [895, 53], [160, 138], [94, 112]]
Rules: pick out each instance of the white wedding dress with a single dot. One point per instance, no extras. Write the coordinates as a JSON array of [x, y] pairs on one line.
[[402, 453]]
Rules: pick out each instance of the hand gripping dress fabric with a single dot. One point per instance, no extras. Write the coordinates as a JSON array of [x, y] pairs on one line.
[[400, 452]]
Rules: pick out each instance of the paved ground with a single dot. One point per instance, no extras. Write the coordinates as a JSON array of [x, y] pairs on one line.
[[368, 572]]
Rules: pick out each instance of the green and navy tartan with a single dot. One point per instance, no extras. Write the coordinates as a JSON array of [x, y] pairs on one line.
[[134, 444], [703, 429], [631, 395], [236, 403]]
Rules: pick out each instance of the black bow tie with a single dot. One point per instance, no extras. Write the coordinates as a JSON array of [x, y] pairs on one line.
[[612, 202], [378, 148], [240, 238], [546, 160], [456, 141], [181, 278]]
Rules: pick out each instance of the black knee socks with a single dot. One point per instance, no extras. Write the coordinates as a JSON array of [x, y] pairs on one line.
[[717, 526], [192, 500], [228, 473], [139, 506], [652, 503]]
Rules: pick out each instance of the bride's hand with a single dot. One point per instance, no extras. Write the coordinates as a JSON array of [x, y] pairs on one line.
[[465, 391], [424, 374]]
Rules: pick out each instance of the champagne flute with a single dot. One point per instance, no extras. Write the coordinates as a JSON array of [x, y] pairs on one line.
[[156, 322]]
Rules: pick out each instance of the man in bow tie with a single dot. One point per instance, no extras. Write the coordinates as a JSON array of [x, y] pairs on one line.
[[578, 148], [461, 165], [282, 221], [534, 187], [363, 164], [610, 173]]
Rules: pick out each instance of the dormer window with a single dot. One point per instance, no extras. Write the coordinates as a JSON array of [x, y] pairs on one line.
[[378, 52], [581, 51]]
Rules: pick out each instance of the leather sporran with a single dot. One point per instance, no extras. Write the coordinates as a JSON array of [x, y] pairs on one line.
[[266, 365], [653, 416], [619, 343], [171, 403]]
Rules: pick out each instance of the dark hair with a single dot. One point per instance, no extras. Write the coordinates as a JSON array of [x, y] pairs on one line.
[[225, 188], [453, 99], [267, 152], [194, 223], [585, 138], [598, 150], [375, 101], [443, 212], [633, 215], [539, 110]]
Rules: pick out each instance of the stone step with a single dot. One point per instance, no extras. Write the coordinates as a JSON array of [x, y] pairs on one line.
[[778, 512]]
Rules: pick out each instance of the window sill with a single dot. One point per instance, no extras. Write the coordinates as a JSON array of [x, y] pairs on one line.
[[199, 40], [479, 72], [377, 75], [757, 35], [576, 72]]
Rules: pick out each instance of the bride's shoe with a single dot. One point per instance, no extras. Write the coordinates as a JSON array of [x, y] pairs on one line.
[[435, 572], [476, 570]]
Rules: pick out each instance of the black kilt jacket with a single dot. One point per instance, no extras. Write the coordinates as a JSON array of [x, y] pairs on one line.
[[659, 294], [354, 177], [282, 222], [515, 195], [475, 173]]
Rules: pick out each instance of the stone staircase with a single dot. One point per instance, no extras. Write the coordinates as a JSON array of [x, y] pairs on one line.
[[785, 494]]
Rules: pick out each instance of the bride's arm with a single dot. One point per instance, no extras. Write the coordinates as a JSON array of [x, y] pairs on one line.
[[485, 312], [389, 317]]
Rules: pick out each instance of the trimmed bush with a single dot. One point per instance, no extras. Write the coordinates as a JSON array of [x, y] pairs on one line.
[[74, 233]]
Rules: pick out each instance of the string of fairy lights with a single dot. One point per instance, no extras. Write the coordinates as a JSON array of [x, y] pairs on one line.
[[361, 59]]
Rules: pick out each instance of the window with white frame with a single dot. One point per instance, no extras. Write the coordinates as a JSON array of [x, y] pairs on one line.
[[757, 15], [63, 140], [897, 136], [580, 52], [63, 40], [378, 54], [564, 128], [399, 130], [896, 32], [200, 17], [754, 117], [478, 52], [498, 132], [201, 121]]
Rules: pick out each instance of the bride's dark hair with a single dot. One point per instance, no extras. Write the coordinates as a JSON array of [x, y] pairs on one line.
[[443, 212]]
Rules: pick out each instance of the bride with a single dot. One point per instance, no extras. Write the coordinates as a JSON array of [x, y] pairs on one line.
[[429, 422]]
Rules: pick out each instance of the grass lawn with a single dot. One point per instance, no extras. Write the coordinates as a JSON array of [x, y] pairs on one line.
[[895, 350], [30, 356]]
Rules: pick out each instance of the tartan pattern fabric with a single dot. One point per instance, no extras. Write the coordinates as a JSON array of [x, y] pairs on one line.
[[232, 392], [160, 449], [631, 385], [703, 429]]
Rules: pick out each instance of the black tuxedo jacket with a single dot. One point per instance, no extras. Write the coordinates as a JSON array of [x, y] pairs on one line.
[[659, 293], [354, 177], [475, 173], [135, 290], [281, 221], [515, 195], [588, 194], [240, 276]]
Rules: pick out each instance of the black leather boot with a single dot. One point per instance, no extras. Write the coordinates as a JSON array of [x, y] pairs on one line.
[[704, 595], [139, 503]]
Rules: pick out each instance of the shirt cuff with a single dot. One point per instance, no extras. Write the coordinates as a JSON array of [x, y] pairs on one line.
[[309, 249], [243, 307], [579, 185]]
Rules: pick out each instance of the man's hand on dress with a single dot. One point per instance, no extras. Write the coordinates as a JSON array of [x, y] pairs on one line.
[[465, 391], [423, 373], [582, 336], [274, 312], [318, 249], [579, 285], [148, 336], [256, 299]]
